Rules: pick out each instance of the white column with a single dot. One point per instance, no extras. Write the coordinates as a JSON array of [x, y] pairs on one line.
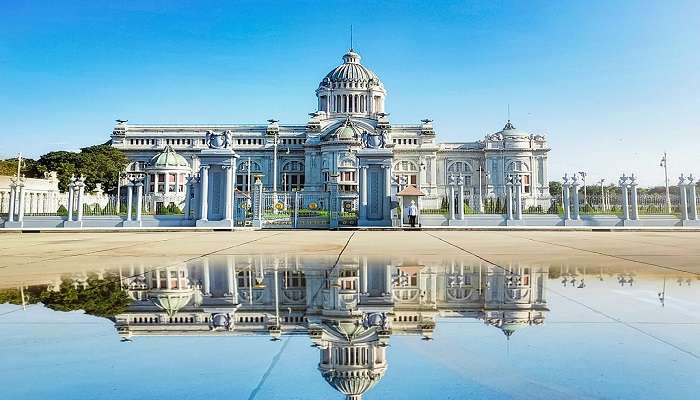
[[574, 197], [363, 192], [451, 201], [566, 204], [166, 186], [460, 198], [684, 198], [81, 190], [155, 182], [274, 165], [204, 192], [387, 190], [188, 197], [139, 199], [518, 198], [207, 283], [11, 206], [509, 200], [129, 199], [692, 197], [229, 192], [20, 213], [625, 203], [634, 211], [71, 194]]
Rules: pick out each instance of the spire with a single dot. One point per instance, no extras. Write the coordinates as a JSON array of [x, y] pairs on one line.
[[351, 47]]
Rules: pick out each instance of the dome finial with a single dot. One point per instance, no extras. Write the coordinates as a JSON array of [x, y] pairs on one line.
[[351, 47]]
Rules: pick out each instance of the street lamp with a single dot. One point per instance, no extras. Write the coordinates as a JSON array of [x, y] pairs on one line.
[[583, 178], [481, 195], [664, 163]]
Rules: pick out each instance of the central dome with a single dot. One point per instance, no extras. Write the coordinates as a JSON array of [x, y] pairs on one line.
[[351, 71], [351, 89]]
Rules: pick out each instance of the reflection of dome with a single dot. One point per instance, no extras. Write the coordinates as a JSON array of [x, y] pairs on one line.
[[220, 320], [353, 384], [351, 71], [353, 356], [510, 328], [171, 301], [168, 159]]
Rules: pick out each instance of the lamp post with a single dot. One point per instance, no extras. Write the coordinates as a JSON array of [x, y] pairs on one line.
[[480, 194], [664, 163], [249, 178], [583, 178]]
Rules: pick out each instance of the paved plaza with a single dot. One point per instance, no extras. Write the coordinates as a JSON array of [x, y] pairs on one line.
[[26, 257]]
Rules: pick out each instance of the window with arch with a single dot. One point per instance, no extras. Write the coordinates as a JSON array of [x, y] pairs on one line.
[[406, 171], [463, 169], [293, 176], [521, 168], [244, 166]]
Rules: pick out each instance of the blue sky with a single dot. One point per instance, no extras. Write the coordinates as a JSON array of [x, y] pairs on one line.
[[612, 83]]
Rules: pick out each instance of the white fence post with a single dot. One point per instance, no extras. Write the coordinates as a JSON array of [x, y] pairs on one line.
[[576, 215], [692, 199], [565, 197], [634, 212], [623, 193]]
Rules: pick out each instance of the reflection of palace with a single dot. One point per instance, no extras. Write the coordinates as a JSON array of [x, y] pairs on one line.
[[348, 311]]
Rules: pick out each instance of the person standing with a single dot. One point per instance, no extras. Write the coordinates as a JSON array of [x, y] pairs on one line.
[[412, 213]]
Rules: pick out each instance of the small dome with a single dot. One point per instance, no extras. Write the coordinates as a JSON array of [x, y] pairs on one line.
[[347, 131], [353, 384], [167, 159], [510, 130], [220, 320], [351, 71], [171, 301]]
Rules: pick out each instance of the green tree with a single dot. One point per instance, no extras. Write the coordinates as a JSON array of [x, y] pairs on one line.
[[98, 164], [30, 168], [101, 164], [64, 163], [555, 188], [101, 297]]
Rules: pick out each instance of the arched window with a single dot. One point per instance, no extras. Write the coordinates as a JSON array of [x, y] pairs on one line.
[[244, 166], [406, 172], [520, 168], [463, 169], [293, 176]]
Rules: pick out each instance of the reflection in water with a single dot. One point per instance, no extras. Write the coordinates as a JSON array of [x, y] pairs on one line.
[[350, 308], [349, 311]]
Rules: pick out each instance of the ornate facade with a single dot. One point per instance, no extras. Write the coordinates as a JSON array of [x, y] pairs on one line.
[[351, 116]]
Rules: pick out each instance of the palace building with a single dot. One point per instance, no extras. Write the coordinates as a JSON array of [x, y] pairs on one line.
[[351, 118]]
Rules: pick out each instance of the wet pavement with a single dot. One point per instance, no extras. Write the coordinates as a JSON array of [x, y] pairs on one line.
[[333, 315]]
